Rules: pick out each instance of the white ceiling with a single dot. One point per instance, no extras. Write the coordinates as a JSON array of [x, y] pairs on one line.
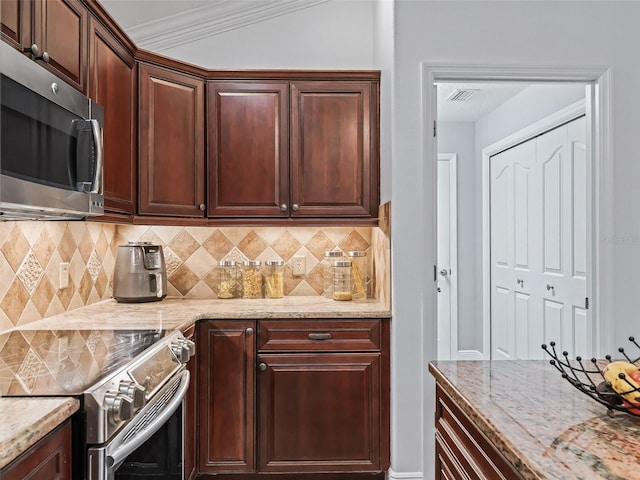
[[487, 97]]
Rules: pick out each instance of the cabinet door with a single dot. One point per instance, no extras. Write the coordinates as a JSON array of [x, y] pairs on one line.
[[319, 412], [248, 149], [171, 173], [334, 149], [16, 22], [49, 459], [61, 31], [226, 359], [112, 84]]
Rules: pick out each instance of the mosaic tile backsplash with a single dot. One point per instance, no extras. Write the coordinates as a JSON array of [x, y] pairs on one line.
[[31, 254]]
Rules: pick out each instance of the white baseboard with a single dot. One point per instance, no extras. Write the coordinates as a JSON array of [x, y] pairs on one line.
[[470, 355], [391, 475]]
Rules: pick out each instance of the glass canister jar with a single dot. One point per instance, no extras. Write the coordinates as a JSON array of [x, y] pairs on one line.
[[359, 272], [227, 279], [251, 279], [330, 257], [342, 280], [274, 279]]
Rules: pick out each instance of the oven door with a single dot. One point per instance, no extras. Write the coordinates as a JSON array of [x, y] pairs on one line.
[[150, 446]]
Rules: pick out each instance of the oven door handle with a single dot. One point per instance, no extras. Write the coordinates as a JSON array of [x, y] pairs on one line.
[[121, 452]]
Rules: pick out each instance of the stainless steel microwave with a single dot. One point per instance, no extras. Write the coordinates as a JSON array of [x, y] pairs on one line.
[[51, 150]]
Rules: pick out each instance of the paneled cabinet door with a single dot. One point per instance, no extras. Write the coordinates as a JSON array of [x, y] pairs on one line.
[[49, 459], [226, 359], [319, 412], [171, 122], [58, 27], [15, 19], [334, 149], [248, 148], [113, 85], [61, 31]]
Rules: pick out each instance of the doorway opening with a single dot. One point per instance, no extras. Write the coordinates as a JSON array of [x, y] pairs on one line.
[[508, 215]]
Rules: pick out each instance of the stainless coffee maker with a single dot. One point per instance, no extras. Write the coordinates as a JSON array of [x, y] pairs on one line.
[[140, 274]]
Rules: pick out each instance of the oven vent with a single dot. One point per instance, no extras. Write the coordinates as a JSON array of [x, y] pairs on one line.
[[460, 95]]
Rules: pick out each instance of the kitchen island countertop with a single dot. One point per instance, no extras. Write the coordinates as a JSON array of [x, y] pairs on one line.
[[541, 424]]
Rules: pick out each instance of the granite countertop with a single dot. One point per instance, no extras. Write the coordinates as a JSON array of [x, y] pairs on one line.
[[545, 427], [174, 313], [24, 421], [66, 348]]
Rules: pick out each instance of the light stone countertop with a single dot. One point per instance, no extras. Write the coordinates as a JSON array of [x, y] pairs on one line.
[[18, 431], [542, 425], [172, 313], [24, 421]]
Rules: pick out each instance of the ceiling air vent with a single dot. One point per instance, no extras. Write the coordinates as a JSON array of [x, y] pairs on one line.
[[460, 95]]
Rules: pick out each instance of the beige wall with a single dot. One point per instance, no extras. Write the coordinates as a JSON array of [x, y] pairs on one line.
[[31, 253]]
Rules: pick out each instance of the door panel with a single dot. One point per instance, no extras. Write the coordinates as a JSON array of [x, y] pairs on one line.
[[248, 150], [304, 426], [539, 245]]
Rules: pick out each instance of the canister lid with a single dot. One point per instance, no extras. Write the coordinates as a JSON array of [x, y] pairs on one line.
[[333, 253], [226, 263], [342, 263], [252, 263], [274, 263], [357, 253]]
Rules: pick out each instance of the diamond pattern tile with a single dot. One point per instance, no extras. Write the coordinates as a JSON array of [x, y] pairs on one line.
[[31, 252], [15, 248]]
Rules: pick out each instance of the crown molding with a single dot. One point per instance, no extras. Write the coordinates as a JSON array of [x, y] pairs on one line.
[[216, 17]]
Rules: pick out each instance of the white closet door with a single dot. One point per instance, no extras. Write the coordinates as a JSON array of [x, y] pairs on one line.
[[538, 245], [511, 236], [561, 155]]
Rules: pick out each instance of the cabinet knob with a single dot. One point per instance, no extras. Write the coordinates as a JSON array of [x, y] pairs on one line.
[[262, 366], [249, 331], [283, 207], [295, 207], [35, 51], [202, 207]]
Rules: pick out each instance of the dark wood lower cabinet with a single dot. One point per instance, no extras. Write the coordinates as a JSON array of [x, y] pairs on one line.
[[462, 451], [319, 412], [49, 459], [293, 399]]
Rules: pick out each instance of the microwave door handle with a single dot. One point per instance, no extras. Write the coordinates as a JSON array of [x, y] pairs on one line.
[[99, 148]]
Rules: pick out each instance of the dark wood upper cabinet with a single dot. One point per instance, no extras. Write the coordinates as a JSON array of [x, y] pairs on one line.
[[61, 31], [171, 162], [334, 154], [16, 22], [293, 148], [113, 85], [248, 148], [58, 27]]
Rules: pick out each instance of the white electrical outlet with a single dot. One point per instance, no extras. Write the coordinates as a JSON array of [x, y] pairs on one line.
[[64, 275], [298, 265]]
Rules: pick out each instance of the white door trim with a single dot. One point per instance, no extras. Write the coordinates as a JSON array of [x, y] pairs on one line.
[[598, 110], [452, 158], [547, 123]]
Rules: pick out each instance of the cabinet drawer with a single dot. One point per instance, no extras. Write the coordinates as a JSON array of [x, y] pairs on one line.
[[313, 335], [464, 449]]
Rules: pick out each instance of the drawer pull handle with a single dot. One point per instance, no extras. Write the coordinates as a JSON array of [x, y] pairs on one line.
[[319, 336]]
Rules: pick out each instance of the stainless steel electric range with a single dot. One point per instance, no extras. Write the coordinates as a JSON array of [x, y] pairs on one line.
[[131, 386]]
